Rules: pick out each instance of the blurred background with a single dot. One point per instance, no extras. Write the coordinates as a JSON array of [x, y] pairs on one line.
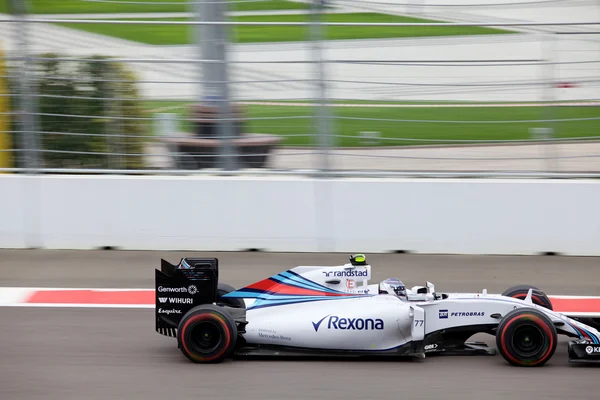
[[96, 96], [346, 87]]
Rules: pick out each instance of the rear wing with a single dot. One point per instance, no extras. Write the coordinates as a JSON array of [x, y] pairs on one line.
[[179, 288]]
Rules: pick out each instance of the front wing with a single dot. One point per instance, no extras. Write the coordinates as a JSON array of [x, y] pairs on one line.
[[580, 353]]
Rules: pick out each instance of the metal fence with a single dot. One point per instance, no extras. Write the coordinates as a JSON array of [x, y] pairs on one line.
[[231, 99]]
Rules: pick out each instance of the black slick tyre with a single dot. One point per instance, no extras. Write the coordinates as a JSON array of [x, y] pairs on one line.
[[526, 337], [222, 290], [207, 334], [520, 292]]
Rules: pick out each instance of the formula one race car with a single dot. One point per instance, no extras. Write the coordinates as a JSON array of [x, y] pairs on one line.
[[323, 311]]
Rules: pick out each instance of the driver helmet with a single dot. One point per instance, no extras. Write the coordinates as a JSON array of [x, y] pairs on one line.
[[393, 286]]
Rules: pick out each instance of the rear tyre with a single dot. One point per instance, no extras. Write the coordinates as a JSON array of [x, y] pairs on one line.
[[207, 334], [520, 292], [526, 338], [222, 290]]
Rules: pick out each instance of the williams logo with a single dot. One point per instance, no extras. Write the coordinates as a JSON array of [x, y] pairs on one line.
[[356, 324], [347, 274], [444, 314]]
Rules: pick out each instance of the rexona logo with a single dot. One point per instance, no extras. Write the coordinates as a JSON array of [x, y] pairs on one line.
[[357, 324], [468, 314], [346, 274], [192, 289]]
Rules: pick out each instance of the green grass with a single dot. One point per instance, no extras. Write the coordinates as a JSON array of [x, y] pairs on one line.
[[82, 6], [181, 34], [416, 103], [299, 129]]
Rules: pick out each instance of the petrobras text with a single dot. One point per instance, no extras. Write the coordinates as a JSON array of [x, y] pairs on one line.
[[468, 314], [359, 324], [347, 274]]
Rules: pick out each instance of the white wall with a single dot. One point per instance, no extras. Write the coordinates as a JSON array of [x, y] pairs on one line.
[[471, 216]]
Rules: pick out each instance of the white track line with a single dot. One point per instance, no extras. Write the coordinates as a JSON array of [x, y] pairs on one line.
[[83, 305], [36, 289], [17, 297], [11, 296]]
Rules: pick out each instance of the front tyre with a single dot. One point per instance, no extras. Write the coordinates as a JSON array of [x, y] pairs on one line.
[[207, 334], [526, 338]]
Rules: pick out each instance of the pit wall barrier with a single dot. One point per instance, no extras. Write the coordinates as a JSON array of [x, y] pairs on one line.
[[283, 214]]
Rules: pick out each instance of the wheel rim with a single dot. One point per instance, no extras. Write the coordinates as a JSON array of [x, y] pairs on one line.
[[528, 341], [205, 336]]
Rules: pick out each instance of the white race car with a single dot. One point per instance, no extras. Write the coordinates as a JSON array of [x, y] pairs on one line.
[[334, 311]]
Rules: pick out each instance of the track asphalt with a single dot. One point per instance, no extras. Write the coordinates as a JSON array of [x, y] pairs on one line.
[[90, 354]]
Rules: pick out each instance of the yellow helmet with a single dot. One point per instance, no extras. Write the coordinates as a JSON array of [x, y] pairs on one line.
[[358, 259]]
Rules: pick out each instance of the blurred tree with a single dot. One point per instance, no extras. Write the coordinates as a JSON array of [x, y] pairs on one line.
[[89, 113], [5, 126]]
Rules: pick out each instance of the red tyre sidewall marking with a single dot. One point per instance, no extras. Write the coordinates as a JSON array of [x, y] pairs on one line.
[[544, 327], [203, 317]]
